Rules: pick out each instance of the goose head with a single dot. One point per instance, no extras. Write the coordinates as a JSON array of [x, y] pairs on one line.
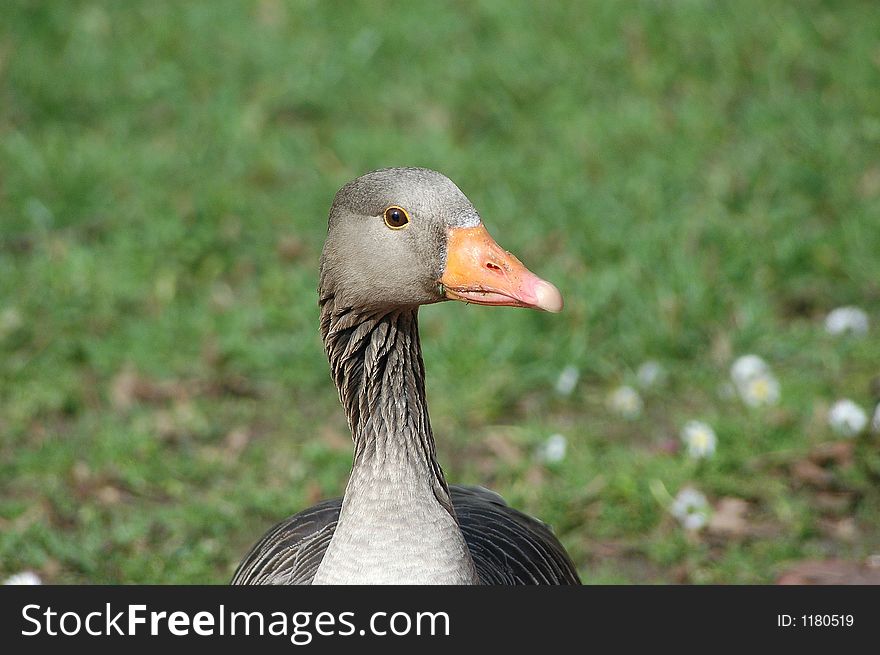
[[403, 237]]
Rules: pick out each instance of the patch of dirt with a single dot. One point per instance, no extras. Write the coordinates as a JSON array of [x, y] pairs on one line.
[[829, 572]]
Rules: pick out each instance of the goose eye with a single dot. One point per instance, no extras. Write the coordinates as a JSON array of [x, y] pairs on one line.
[[396, 217]]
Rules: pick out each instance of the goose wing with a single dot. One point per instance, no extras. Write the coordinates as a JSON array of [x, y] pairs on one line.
[[507, 546], [289, 553]]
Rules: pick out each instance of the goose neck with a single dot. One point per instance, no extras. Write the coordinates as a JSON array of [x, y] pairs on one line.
[[396, 524], [376, 362]]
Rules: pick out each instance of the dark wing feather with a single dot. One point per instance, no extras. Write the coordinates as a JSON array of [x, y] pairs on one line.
[[507, 546], [289, 553]]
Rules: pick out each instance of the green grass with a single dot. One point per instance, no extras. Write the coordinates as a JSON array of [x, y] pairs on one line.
[[700, 179]]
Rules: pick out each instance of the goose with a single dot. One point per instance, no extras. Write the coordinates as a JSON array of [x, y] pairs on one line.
[[399, 238]]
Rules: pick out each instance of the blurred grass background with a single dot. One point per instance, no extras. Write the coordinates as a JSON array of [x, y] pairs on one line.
[[701, 179]]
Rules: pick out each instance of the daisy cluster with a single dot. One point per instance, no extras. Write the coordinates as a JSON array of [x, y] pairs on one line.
[[751, 381]]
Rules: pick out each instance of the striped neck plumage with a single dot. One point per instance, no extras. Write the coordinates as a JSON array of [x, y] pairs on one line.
[[376, 362]]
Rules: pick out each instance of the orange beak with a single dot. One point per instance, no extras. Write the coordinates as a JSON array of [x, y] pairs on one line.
[[478, 270]]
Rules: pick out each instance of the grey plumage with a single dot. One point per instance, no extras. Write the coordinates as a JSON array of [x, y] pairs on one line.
[[508, 547], [398, 521]]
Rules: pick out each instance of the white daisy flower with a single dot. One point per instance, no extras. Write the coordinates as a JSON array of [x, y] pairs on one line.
[[567, 380], [846, 418], [760, 390], [691, 509], [747, 367], [847, 319], [754, 382], [553, 449], [23, 578], [694, 521], [626, 402], [699, 438], [651, 374]]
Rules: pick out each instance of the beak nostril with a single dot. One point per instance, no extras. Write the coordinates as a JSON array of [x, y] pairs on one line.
[[495, 268]]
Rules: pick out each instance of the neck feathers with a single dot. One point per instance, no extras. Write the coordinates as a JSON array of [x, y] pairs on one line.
[[376, 363]]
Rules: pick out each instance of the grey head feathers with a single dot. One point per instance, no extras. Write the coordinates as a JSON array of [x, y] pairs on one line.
[[419, 190], [367, 266]]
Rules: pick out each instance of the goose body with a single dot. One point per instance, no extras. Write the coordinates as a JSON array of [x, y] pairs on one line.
[[398, 239], [506, 546]]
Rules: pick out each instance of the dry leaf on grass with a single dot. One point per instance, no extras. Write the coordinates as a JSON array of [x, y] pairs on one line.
[[109, 495], [829, 572], [806, 472], [334, 439], [845, 529], [835, 503], [314, 493], [129, 387], [504, 448], [729, 518], [535, 476], [290, 247], [236, 440], [839, 453], [667, 446]]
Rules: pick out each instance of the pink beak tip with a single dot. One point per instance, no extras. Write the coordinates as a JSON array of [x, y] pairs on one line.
[[548, 297]]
